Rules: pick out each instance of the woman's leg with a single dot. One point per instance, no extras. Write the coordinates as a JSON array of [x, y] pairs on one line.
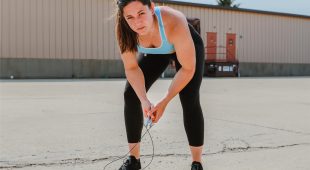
[[190, 100], [152, 67]]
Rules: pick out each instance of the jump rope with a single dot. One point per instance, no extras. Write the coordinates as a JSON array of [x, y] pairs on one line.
[[148, 124]]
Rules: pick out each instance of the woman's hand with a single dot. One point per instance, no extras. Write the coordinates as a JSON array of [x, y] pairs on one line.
[[158, 110], [146, 107]]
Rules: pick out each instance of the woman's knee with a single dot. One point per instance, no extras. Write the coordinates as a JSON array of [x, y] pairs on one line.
[[190, 95], [191, 105], [129, 94]]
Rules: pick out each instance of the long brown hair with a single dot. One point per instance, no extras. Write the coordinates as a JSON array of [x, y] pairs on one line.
[[127, 38]]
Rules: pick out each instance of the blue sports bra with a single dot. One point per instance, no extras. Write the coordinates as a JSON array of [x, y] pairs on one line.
[[166, 47]]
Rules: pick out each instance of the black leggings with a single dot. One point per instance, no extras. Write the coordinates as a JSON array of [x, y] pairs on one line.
[[153, 66]]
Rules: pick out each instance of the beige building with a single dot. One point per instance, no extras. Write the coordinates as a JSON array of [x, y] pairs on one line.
[[76, 38]]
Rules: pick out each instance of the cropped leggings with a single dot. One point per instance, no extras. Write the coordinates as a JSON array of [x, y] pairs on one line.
[[152, 66]]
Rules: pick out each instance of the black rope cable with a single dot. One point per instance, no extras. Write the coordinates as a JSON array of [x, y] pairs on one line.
[[119, 158]]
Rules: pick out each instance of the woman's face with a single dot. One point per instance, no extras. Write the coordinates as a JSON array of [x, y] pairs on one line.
[[139, 17]]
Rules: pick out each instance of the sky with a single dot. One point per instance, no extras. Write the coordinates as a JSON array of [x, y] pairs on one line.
[[301, 7]]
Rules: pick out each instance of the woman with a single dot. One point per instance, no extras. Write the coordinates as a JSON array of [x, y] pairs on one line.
[[158, 35]]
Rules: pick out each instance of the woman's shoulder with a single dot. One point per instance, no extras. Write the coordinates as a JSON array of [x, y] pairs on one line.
[[172, 19], [170, 15]]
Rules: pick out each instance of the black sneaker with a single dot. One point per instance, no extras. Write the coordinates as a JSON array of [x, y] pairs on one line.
[[196, 166], [131, 164]]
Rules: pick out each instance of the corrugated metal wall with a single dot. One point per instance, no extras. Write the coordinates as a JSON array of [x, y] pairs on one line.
[[78, 37], [261, 38], [57, 29], [84, 29]]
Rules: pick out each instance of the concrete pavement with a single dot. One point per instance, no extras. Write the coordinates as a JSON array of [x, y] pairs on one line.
[[250, 124]]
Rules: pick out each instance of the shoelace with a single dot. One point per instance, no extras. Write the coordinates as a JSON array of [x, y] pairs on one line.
[[126, 163]]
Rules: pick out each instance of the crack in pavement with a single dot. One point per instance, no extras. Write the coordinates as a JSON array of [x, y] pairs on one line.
[[256, 125], [75, 161], [249, 148]]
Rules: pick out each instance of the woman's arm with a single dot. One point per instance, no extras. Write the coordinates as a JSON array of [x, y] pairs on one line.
[[185, 51], [135, 77]]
